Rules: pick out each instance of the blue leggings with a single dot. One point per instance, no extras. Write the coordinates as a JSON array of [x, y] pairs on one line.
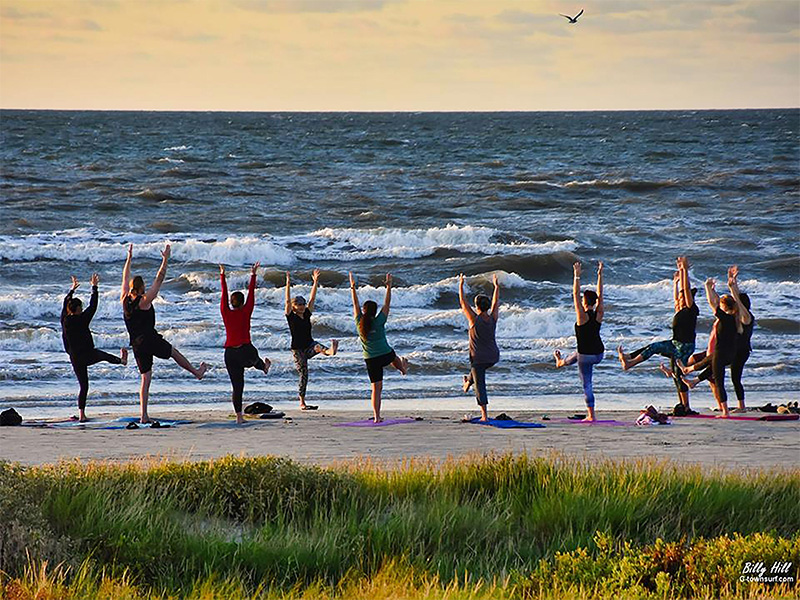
[[674, 351], [586, 363], [477, 376]]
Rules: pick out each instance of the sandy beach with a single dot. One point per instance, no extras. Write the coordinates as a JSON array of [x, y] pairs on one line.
[[313, 438]]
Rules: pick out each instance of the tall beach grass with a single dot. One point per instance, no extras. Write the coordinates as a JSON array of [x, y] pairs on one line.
[[498, 526]]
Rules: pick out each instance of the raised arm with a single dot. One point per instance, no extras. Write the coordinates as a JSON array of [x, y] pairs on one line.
[[288, 308], [388, 300], [580, 314], [224, 307], [313, 296], [465, 307], [88, 314], [711, 294], [733, 286], [676, 284], [68, 297], [356, 305], [686, 285], [155, 287], [599, 311], [126, 274], [251, 288], [495, 309]]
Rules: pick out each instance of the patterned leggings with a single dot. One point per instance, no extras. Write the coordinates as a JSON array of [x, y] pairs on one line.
[[301, 364]]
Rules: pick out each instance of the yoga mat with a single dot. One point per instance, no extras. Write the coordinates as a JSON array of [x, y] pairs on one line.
[[606, 423], [769, 417], [505, 424], [371, 423], [120, 423]]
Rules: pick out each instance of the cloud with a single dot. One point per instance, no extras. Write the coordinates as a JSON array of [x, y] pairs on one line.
[[11, 13], [772, 17], [88, 25], [312, 6]]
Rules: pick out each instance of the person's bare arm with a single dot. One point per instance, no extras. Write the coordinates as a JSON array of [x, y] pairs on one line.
[[686, 285], [465, 307], [676, 286], [354, 295], [68, 297], [495, 309], [155, 287], [314, 286], [711, 294], [288, 307], [126, 274], [580, 315], [599, 312], [387, 302], [733, 286]]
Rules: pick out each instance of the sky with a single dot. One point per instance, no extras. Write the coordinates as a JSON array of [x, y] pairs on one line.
[[398, 55]]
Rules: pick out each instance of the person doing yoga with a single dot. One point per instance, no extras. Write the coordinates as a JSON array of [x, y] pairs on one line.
[[239, 351], [372, 335], [483, 351], [140, 320], [684, 327], [78, 341], [732, 317], [304, 347], [588, 320]]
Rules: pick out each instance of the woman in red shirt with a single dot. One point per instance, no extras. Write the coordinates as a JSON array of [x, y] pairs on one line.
[[239, 352]]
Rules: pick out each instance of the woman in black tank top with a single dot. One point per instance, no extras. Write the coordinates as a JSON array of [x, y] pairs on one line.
[[140, 321], [588, 318]]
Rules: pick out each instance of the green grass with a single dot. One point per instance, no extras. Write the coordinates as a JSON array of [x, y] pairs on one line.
[[485, 527]]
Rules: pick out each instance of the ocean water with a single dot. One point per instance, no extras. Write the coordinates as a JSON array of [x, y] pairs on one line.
[[423, 196]]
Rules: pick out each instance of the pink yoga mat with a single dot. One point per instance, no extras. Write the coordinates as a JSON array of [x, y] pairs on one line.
[[769, 417], [608, 423], [371, 423]]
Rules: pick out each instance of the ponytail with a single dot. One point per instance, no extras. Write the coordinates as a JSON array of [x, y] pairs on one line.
[[365, 324]]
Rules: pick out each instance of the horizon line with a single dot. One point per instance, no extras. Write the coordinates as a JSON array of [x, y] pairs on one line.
[[401, 111]]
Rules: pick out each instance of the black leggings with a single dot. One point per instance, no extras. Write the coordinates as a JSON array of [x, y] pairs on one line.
[[236, 361], [80, 365], [737, 366], [716, 373]]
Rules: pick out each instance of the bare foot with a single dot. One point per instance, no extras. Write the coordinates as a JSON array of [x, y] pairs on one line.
[[239, 419], [404, 365], [144, 419], [588, 420], [622, 360], [691, 383], [123, 356], [334, 347], [467, 384], [267, 365], [204, 367], [377, 419], [665, 370], [559, 360]]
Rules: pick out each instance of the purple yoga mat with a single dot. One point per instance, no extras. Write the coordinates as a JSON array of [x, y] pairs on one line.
[[608, 423], [371, 423]]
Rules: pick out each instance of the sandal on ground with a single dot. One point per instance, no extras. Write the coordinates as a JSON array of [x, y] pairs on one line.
[[309, 407]]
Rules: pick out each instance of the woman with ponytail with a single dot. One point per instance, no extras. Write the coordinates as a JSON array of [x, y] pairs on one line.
[[372, 334]]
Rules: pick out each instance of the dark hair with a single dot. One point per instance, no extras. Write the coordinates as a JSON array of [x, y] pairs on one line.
[[482, 302], [137, 284], [728, 301], [237, 299], [745, 300], [365, 324], [590, 297], [694, 292], [74, 305]]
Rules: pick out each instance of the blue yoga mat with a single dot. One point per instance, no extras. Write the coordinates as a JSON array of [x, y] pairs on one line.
[[504, 424]]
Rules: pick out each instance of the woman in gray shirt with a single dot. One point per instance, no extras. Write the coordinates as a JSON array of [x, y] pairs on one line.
[[483, 351]]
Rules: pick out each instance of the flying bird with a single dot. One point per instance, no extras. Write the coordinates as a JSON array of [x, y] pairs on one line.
[[572, 19]]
